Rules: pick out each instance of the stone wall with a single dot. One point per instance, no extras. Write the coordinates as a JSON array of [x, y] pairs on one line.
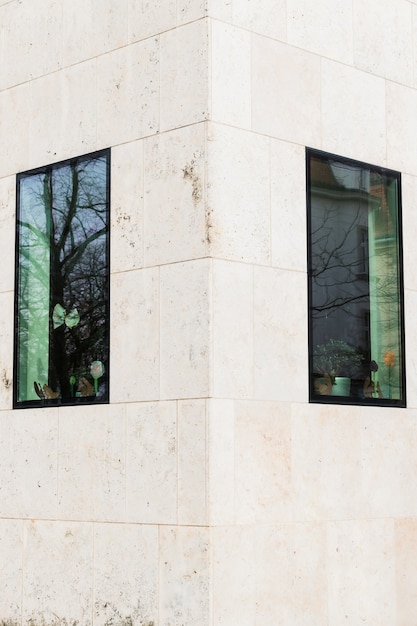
[[209, 491]]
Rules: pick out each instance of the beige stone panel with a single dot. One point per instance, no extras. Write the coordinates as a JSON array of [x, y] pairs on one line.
[[92, 462], [290, 570], [92, 27], [134, 336], [11, 552], [57, 572], [62, 123], [323, 27], [128, 93], [174, 194], [286, 98], [401, 128], [383, 38], [125, 574], [233, 335], [409, 219], [184, 75], [353, 119], [280, 335], [326, 463], [29, 461], [127, 206], [288, 206], [6, 349], [152, 464], [184, 576], [150, 18], [221, 460], [190, 10], [7, 232], [220, 10], [405, 536], [234, 576], [185, 330], [238, 195], [192, 462], [230, 75], [267, 17], [410, 354], [15, 114], [31, 41], [389, 463], [263, 462], [361, 573]]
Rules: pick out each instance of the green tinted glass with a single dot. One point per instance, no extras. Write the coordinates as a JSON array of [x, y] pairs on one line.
[[355, 282], [62, 287]]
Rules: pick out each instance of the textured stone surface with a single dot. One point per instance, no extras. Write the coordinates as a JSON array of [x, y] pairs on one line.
[[208, 492]]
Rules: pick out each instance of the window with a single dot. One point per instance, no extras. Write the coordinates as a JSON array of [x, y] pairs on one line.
[[356, 335], [62, 283]]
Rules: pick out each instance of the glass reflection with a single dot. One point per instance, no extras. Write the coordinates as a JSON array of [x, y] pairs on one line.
[[355, 297], [62, 291]]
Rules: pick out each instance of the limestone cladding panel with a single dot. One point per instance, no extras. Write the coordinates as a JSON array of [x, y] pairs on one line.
[[184, 576], [286, 97], [288, 211], [103, 28], [349, 117], [11, 531], [184, 75], [192, 462], [232, 330], [266, 17], [271, 574], [125, 573], [128, 93], [148, 18], [280, 335], [28, 467], [63, 114], [322, 27], [185, 349], [230, 75], [92, 463], [15, 115], [175, 226], [57, 571], [238, 196], [127, 206], [135, 335], [31, 40], [376, 23], [401, 128], [152, 463]]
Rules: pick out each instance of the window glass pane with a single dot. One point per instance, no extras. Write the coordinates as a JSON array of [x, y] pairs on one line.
[[62, 291], [355, 282]]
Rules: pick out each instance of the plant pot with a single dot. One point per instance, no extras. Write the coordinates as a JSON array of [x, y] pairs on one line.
[[341, 386]]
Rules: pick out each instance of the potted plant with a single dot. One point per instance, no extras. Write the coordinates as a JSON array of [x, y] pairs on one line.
[[339, 361]]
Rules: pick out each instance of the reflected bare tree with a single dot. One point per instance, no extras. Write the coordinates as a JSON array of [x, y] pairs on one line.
[[64, 253]]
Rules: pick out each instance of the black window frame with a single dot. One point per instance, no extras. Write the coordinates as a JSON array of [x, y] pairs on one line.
[[349, 400], [103, 398]]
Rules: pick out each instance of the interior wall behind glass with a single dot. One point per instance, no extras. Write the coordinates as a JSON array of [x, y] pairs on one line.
[[355, 282]]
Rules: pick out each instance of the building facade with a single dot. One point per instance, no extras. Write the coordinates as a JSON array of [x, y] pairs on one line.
[[210, 489]]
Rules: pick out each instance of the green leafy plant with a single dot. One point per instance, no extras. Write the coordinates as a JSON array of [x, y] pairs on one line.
[[337, 358]]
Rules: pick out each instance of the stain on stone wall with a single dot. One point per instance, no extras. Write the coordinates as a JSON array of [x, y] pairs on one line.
[[191, 175]]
